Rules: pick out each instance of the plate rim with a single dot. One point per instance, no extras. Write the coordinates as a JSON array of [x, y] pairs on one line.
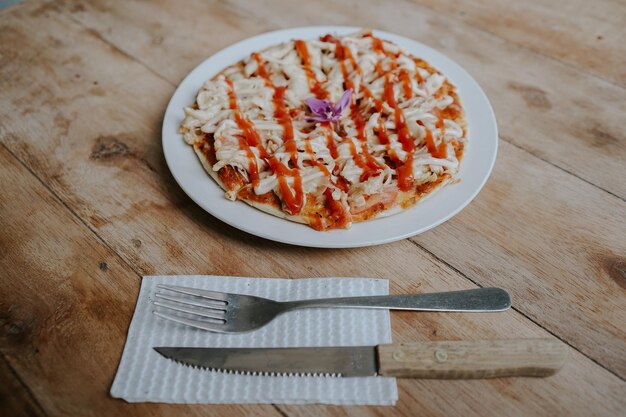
[[324, 243]]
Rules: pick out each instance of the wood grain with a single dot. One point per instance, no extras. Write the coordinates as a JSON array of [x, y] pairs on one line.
[[123, 160], [67, 301], [88, 205], [534, 103], [464, 359], [568, 274], [150, 31], [536, 107], [86, 310], [589, 250], [583, 34], [15, 399]]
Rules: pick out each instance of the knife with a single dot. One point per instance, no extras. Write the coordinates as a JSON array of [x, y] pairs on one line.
[[444, 359]]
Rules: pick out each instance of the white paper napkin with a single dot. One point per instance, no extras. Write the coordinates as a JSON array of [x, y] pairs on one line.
[[145, 376]]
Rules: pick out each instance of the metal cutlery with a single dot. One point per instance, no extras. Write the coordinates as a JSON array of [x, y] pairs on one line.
[[233, 313], [444, 360]]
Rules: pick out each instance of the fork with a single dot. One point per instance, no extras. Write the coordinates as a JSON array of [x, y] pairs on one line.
[[233, 313]]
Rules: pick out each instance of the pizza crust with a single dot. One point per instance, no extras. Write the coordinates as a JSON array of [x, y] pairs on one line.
[[267, 208]]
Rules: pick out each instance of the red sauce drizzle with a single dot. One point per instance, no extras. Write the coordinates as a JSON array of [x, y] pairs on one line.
[[339, 215], [349, 84], [250, 133], [430, 142], [383, 138], [330, 141], [378, 68], [382, 133], [418, 77], [342, 184], [282, 116], [348, 54], [342, 53], [281, 112], [364, 160], [406, 83], [344, 71], [392, 63], [253, 167], [341, 56], [292, 149], [251, 139], [404, 135], [379, 48], [314, 84], [314, 161], [370, 166], [440, 151], [232, 98], [261, 69], [293, 201], [377, 45], [378, 104], [359, 123], [405, 174]]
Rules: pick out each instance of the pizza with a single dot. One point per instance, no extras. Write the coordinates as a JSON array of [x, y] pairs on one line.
[[330, 131]]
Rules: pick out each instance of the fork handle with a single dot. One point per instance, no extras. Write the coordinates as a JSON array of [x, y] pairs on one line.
[[476, 300]]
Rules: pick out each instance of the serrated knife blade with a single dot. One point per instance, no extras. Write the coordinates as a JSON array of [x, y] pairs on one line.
[[338, 361], [445, 359]]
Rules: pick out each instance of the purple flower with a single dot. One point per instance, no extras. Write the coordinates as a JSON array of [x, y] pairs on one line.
[[324, 111]]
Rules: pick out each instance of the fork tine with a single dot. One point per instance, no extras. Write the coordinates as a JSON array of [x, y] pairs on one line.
[[210, 304], [211, 295], [195, 312], [192, 323]]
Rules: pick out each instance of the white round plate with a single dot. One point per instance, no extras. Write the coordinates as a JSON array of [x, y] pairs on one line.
[[478, 159]]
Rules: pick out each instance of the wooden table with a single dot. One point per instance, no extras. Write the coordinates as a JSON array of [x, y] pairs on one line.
[[88, 205]]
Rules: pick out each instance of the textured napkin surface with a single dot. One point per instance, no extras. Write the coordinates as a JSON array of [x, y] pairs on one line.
[[145, 376]]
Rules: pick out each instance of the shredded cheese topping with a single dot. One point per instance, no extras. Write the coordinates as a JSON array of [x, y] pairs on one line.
[[403, 128]]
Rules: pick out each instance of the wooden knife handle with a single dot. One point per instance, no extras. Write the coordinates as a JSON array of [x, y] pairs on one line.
[[472, 359]]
